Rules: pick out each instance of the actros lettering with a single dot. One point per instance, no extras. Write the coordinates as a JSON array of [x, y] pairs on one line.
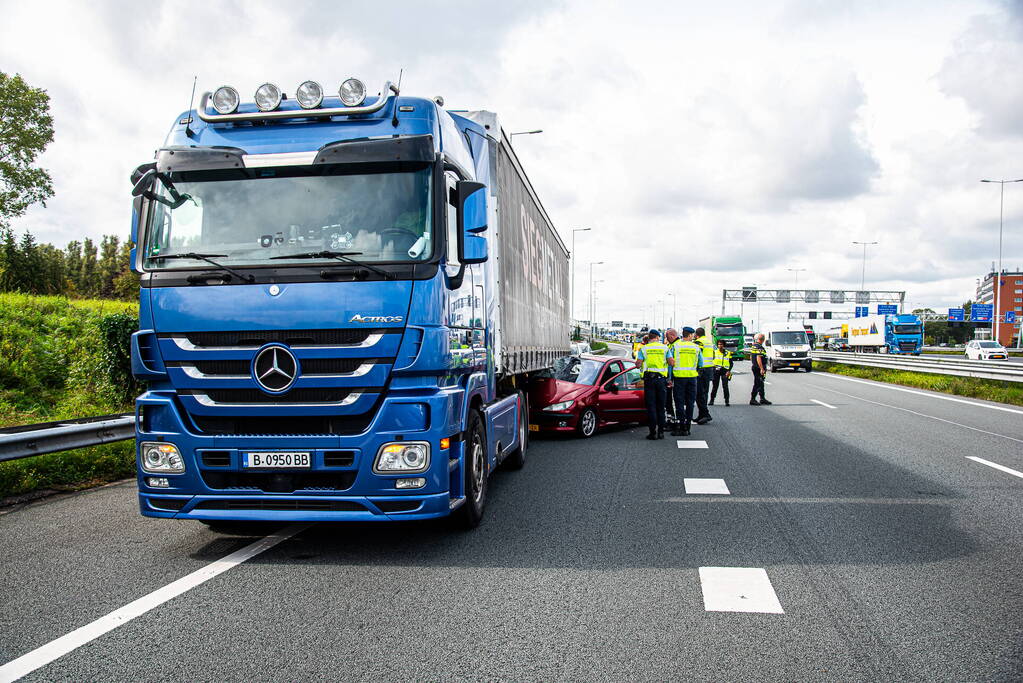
[[376, 318]]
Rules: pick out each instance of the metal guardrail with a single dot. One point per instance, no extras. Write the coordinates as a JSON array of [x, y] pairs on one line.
[[50, 437], [960, 367]]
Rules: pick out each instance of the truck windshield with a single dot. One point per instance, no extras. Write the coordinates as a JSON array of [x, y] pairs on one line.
[[382, 216], [907, 329], [728, 329], [788, 338]]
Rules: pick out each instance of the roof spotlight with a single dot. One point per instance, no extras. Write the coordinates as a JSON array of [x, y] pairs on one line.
[[268, 97], [352, 92], [225, 100], [309, 95]]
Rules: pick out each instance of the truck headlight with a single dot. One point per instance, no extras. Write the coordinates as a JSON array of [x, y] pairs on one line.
[[352, 92], [225, 100], [309, 95], [268, 97], [403, 456], [559, 407], [161, 457]]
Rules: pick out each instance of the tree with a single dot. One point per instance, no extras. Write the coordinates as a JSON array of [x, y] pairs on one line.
[[73, 266], [88, 278], [108, 265], [26, 128]]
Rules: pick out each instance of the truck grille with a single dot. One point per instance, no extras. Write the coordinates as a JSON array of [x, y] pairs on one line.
[[310, 366], [257, 397], [313, 425], [907, 346], [279, 482], [256, 338]]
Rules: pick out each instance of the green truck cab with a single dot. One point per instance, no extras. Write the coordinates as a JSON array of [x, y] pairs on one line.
[[729, 328]]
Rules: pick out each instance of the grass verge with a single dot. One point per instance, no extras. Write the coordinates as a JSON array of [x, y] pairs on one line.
[[969, 387]]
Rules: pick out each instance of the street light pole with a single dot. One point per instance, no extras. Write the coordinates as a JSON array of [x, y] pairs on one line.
[[592, 263], [572, 306], [996, 283], [863, 273]]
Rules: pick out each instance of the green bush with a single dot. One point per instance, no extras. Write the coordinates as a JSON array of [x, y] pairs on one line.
[[598, 346], [62, 358]]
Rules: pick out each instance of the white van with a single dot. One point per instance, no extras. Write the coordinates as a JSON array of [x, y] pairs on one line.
[[787, 346]]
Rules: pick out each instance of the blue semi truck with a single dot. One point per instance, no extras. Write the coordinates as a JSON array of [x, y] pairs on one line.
[[341, 300], [889, 333]]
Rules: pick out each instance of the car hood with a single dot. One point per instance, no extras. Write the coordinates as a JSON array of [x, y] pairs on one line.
[[546, 391]]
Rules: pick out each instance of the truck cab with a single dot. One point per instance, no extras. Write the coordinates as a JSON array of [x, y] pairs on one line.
[[904, 334]]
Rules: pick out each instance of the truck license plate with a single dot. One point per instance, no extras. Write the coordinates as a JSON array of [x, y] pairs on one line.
[[289, 460]]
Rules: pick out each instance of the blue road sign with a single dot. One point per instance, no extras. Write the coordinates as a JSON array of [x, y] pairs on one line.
[[981, 313], [956, 315], [862, 311], [1010, 316], [887, 309]]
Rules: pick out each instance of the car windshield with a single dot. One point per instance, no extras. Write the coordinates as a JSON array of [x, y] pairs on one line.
[[728, 329], [788, 338], [989, 345], [907, 329], [577, 370], [383, 216]]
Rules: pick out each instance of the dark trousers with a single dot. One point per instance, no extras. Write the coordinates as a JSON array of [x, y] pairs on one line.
[[655, 388], [683, 390], [702, 389], [720, 377], [758, 386]]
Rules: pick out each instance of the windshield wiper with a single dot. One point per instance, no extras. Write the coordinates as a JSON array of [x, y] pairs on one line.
[[340, 256], [208, 258]]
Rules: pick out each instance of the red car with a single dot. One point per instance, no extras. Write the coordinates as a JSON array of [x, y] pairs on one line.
[[583, 393]]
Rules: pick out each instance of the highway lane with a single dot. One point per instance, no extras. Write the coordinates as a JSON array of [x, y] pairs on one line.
[[890, 553]]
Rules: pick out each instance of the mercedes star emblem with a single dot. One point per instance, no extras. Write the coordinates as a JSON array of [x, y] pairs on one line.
[[275, 369]]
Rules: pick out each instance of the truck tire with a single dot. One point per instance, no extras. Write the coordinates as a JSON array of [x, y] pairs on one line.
[[474, 475], [517, 458], [587, 426]]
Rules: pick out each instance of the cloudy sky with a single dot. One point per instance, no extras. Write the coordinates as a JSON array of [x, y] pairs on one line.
[[706, 147]]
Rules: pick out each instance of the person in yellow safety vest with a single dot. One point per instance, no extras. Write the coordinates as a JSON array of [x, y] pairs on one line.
[[636, 345], [706, 375], [652, 357], [722, 371], [685, 360]]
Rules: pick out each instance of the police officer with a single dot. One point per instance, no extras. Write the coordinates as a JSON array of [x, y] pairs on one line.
[[652, 357], [705, 377], [758, 361], [685, 360], [670, 335], [722, 371]]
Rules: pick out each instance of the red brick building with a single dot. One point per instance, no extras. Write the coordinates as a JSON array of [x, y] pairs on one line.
[[1010, 298]]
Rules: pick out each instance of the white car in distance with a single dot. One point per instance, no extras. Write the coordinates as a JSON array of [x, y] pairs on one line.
[[986, 350]]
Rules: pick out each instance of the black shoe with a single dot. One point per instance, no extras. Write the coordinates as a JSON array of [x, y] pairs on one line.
[[685, 432], [711, 402], [660, 433], [702, 420], [727, 404], [765, 402], [651, 437], [676, 432], [754, 402]]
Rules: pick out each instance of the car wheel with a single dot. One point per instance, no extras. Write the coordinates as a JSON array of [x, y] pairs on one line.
[[587, 426], [808, 367], [517, 458], [474, 475]]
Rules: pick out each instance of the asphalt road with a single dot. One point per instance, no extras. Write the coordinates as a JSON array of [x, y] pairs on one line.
[[875, 550]]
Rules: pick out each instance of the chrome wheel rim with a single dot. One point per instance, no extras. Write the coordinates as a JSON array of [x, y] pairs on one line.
[[477, 468], [589, 422]]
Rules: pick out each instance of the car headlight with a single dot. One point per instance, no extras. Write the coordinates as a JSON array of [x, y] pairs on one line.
[[309, 95], [352, 92], [161, 457], [403, 456], [558, 407], [225, 100], [268, 97]]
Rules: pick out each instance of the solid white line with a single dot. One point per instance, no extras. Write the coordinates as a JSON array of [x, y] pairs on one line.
[[738, 589], [919, 393], [45, 654], [826, 405], [706, 486], [913, 412], [691, 444], [1003, 468]]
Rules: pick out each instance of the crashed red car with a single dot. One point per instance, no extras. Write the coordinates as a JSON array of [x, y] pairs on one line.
[[581, 394]]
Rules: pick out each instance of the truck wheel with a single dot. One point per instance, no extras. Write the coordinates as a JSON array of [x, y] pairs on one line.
[[474, 475], [587, 423], [517, 458]]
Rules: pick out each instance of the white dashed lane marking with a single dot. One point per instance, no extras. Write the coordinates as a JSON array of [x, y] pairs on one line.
[[738, 589], [826, 405], [708, 486], [1003, 468], [691, 444]]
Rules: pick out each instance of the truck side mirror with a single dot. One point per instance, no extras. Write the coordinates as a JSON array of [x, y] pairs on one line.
[[472, 220]]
